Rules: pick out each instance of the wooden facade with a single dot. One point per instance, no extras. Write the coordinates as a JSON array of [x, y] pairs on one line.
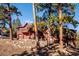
[[25, 32]]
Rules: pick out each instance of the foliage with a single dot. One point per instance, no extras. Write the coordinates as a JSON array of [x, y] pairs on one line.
[[16, 23], [50, 13], [7, 11]]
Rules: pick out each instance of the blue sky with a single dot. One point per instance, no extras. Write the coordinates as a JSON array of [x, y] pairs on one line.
[[26, 10], [77, 15]]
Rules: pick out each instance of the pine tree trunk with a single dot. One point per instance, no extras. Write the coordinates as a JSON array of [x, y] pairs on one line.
[[49, 36], [10, 28], [10, 25], [49, 31], [60, 27], [35, 24]]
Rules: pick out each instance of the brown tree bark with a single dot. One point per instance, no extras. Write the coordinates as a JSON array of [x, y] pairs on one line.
[[10, 24], [10, 29], [60, 26], [35, 22]]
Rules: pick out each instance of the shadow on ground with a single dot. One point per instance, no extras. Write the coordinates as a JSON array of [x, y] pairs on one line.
[[51, 51]]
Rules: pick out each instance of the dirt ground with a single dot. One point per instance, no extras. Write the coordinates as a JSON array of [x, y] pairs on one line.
[[10, 47], [24, 48]]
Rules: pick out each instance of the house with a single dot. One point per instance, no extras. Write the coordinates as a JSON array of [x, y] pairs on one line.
[[25, 32]]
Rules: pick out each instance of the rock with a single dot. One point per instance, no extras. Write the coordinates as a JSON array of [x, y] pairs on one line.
[[43, 43]]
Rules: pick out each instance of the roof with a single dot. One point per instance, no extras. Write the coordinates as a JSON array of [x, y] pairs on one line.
[[25, 28], [22, 26]]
